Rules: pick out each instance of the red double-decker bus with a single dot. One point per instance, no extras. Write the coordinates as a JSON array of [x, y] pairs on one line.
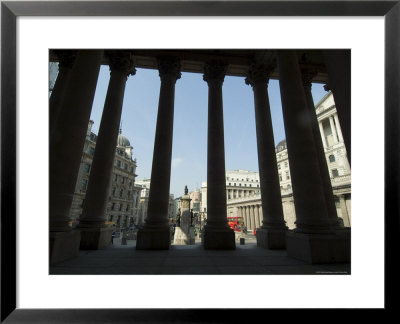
[[235, 223]]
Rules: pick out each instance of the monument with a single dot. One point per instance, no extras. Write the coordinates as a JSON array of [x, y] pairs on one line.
[[184, 230]]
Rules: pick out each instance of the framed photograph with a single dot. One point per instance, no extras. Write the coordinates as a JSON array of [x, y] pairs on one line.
[[198, 25]]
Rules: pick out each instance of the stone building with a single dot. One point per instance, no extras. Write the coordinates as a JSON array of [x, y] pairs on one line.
[[122, 207], [318, 237], [338, 165]]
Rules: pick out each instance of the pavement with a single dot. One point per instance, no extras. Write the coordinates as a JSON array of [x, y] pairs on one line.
[[192, 259]]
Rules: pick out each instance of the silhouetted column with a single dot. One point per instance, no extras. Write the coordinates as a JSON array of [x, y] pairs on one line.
[[95, 234], [217, 234], [273, 231], [313, 240], [338, 65], [155, 234], [66, 145], [66, 60], [323, 166]]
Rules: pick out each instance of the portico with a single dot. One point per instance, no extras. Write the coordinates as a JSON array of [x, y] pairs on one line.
[[316, 235]]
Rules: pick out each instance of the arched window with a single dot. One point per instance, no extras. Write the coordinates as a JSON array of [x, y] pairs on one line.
[[332, 158]]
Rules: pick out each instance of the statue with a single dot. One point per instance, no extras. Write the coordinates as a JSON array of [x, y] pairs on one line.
[[186, 190]]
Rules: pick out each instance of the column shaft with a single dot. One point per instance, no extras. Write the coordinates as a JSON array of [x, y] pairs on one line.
[[334, 134], [217, 234], [339, 131], [97, 193], [68, 138], [66, 60], [323, 167], [310, 205], [321, 129], [155, 234]]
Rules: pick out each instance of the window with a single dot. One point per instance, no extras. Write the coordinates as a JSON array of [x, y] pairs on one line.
[[127, 208], [287, 175], [120, 207], [279, 166], [118, 163], [125, 166], [131, 169], [335, 173], [332, 158], [83, 185], [91, 150], [289, 186], [82, 203], [234, 184], [86, 168], [113, 192], [245, 185], [121, 193], [112, 206], [116, 178], [240, 184], [250, 185], [258, 186], [123, 180], [286, 164], [280, 177]]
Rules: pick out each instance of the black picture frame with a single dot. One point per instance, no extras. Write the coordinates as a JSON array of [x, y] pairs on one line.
[[10, 10]]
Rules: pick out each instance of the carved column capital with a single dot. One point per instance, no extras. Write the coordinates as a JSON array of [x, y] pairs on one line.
[[120, 60], [169, 67], [259, 73], [215, 71], [307, 76], [66, 57]]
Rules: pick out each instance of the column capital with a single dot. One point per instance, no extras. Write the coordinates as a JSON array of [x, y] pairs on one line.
[[307, 76], [121, 61], [259, 73], [66, 57], [169, 67], [215, 71]]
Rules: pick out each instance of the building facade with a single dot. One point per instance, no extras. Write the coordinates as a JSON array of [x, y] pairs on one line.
[[123, 204]]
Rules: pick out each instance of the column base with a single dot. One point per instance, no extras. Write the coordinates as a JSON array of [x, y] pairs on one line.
[[95, 238], [274, 239], [153, 239], [319, 248], [218, 239], [64, 245]]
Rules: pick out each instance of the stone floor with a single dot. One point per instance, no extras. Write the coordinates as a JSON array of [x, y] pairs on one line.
[[246, 259]]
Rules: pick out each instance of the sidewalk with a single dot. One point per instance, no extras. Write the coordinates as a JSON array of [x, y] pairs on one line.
[[191, 259]]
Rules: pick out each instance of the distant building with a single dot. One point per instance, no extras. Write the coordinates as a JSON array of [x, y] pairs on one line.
[[243, 192], [124, 197]]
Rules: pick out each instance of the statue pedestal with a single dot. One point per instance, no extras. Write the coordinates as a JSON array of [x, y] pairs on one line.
[[184, 234], [182, 238]]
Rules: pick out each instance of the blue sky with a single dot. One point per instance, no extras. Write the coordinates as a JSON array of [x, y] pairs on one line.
[[189, 148]]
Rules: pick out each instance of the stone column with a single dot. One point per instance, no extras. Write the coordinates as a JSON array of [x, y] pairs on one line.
[[334, 134], [322, 132], [156, 233], [66, 145], [313, 240], [66, 60], [217, 234], [338, 65], [94, 232], [339, 131], [345, 213], [272, 234], [323, 167]]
